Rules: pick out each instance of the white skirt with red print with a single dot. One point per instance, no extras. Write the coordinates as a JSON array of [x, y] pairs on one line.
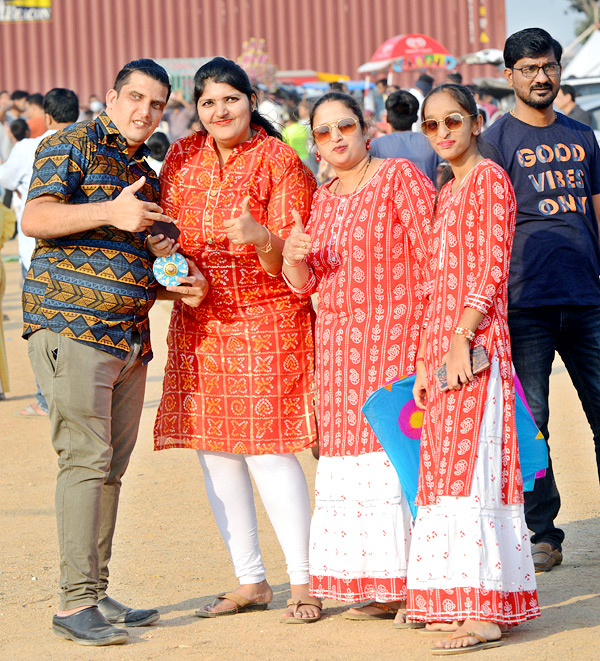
[[360, 532], [470, 556]]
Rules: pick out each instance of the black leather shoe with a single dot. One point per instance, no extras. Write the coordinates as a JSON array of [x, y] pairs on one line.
[[88, 627], [116, 613]]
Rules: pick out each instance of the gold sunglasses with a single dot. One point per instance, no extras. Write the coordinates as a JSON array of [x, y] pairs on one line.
[[452, 122], [346, 126]]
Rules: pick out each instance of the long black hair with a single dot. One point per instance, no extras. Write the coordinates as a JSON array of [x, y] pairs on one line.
[[465, 99], [222, 70]]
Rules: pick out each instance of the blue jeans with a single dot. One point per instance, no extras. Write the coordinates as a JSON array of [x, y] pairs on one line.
[[536, 334]]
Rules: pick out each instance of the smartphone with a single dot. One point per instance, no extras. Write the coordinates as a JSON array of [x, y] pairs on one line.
[[479, 363], [170, 230]]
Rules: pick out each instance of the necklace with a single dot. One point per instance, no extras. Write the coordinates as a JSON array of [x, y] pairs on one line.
[[512, 112], [364, 172], [456, 185]]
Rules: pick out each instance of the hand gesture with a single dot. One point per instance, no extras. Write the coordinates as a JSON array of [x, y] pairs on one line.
[[298, 243], [244, 230], [132, 215], [161, 245], [197, 286]]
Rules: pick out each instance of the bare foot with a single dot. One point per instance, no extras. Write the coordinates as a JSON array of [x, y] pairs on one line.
[[443, 626], [72, 611], [255, 592], [300, 593], [460, 638]]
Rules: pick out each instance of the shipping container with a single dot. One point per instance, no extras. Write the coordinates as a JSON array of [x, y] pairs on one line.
[[85, 42]]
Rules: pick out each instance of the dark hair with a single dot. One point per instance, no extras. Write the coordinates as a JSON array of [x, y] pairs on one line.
[[349, 101], [381, 81], [465, 99], [148, 68], [62, 105], [569, 89], [35, 100], [222, 70], [18, 94], [531, 42], [159, 144], [455, 77], [402, 110], [20, 129]]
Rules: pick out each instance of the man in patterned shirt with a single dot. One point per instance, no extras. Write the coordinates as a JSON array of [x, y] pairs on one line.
[[86, 299]]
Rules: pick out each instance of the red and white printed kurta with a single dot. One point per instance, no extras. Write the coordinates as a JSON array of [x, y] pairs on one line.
[[239, 373], [471, 244], [368, 261]]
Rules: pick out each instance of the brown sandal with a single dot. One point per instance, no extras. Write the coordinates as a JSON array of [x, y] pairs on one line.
[[296, 603], [242, 605], [483, 644]]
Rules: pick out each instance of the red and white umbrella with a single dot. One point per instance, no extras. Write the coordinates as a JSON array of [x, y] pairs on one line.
[[406, 52]]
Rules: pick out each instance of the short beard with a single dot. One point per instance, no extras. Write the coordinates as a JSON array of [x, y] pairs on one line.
[[541, 104]]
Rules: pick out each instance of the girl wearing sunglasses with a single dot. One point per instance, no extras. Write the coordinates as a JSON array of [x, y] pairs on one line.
[[470, 571], [364, 253]]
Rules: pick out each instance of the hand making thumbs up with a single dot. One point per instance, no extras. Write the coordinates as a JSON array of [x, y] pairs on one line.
[[298, 243], [244, 229]]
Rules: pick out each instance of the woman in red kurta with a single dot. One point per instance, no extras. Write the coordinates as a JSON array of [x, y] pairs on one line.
[[238, 384], [470, 561], [364, 252]]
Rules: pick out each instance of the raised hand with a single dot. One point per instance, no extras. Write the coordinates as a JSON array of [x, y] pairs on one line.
[[244, 230], [298, 243], [133, 215]]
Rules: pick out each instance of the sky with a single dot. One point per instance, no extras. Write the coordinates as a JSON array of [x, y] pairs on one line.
[[548, 14]]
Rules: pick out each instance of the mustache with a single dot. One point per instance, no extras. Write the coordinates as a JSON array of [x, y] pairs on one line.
[[542, 87]]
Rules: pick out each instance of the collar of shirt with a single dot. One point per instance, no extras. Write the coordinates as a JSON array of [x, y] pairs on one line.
[[109, 129]]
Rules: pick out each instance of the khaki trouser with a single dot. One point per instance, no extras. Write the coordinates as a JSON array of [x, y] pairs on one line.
[[95, 401]]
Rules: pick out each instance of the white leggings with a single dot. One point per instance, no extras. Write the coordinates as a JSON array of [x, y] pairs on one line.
[[284, 492]]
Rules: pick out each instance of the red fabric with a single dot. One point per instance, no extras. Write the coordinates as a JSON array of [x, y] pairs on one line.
[[471, 244], [239, 373], [369, 260], [358, 589], [507, 608]]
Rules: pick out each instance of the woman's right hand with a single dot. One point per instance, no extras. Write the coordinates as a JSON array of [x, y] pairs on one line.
[[420, 390], [298, 243]]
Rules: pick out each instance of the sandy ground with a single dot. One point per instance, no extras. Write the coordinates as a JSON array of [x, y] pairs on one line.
[[168, 553]]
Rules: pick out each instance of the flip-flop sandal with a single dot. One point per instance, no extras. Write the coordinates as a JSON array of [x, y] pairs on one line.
[[307, 601], [408, 624], [31, 411], [387, 613], [483, 644], [441, 634], [242, 605]]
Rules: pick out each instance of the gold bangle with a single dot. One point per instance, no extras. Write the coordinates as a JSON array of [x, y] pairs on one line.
[[267, 247]]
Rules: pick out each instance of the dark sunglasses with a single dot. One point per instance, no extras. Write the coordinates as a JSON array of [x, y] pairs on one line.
[[346, 126], [453, 122]]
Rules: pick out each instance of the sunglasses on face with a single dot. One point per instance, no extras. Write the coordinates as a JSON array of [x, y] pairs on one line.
[[452, 122], [346, 126]]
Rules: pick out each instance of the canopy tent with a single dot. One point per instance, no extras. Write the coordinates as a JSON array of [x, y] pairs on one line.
[[587, 60], [406, 52]]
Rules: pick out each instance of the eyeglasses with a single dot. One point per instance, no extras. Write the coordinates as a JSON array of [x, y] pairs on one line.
[[452, 122], [346, 126], [531, 71]]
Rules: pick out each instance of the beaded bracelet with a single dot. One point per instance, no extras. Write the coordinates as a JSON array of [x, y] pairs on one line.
[[465, 332], [267, 247]]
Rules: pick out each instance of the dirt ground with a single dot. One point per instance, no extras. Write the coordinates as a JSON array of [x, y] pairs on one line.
[[168, 553]]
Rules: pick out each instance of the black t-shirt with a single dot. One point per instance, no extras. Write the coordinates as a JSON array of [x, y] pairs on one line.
[[555, 171]]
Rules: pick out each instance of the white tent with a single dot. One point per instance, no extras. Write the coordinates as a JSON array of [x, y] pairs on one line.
[[587, 60]]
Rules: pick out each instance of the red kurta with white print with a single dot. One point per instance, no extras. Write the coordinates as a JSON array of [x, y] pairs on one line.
[[368, 263], [470, 257], [239, 373]]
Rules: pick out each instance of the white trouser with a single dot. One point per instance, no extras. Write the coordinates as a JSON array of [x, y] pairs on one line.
[[282, 486]]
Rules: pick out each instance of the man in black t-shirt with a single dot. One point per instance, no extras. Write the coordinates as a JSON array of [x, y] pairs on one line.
[[554, 284]]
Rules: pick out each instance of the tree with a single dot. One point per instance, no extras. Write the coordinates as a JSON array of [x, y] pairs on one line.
[[591, 9]]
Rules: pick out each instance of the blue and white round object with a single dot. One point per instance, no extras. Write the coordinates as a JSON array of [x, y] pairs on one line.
[[168, 269]]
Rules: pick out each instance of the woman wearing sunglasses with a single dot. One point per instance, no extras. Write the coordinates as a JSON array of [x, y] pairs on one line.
[[364, 253], [470, 571]]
